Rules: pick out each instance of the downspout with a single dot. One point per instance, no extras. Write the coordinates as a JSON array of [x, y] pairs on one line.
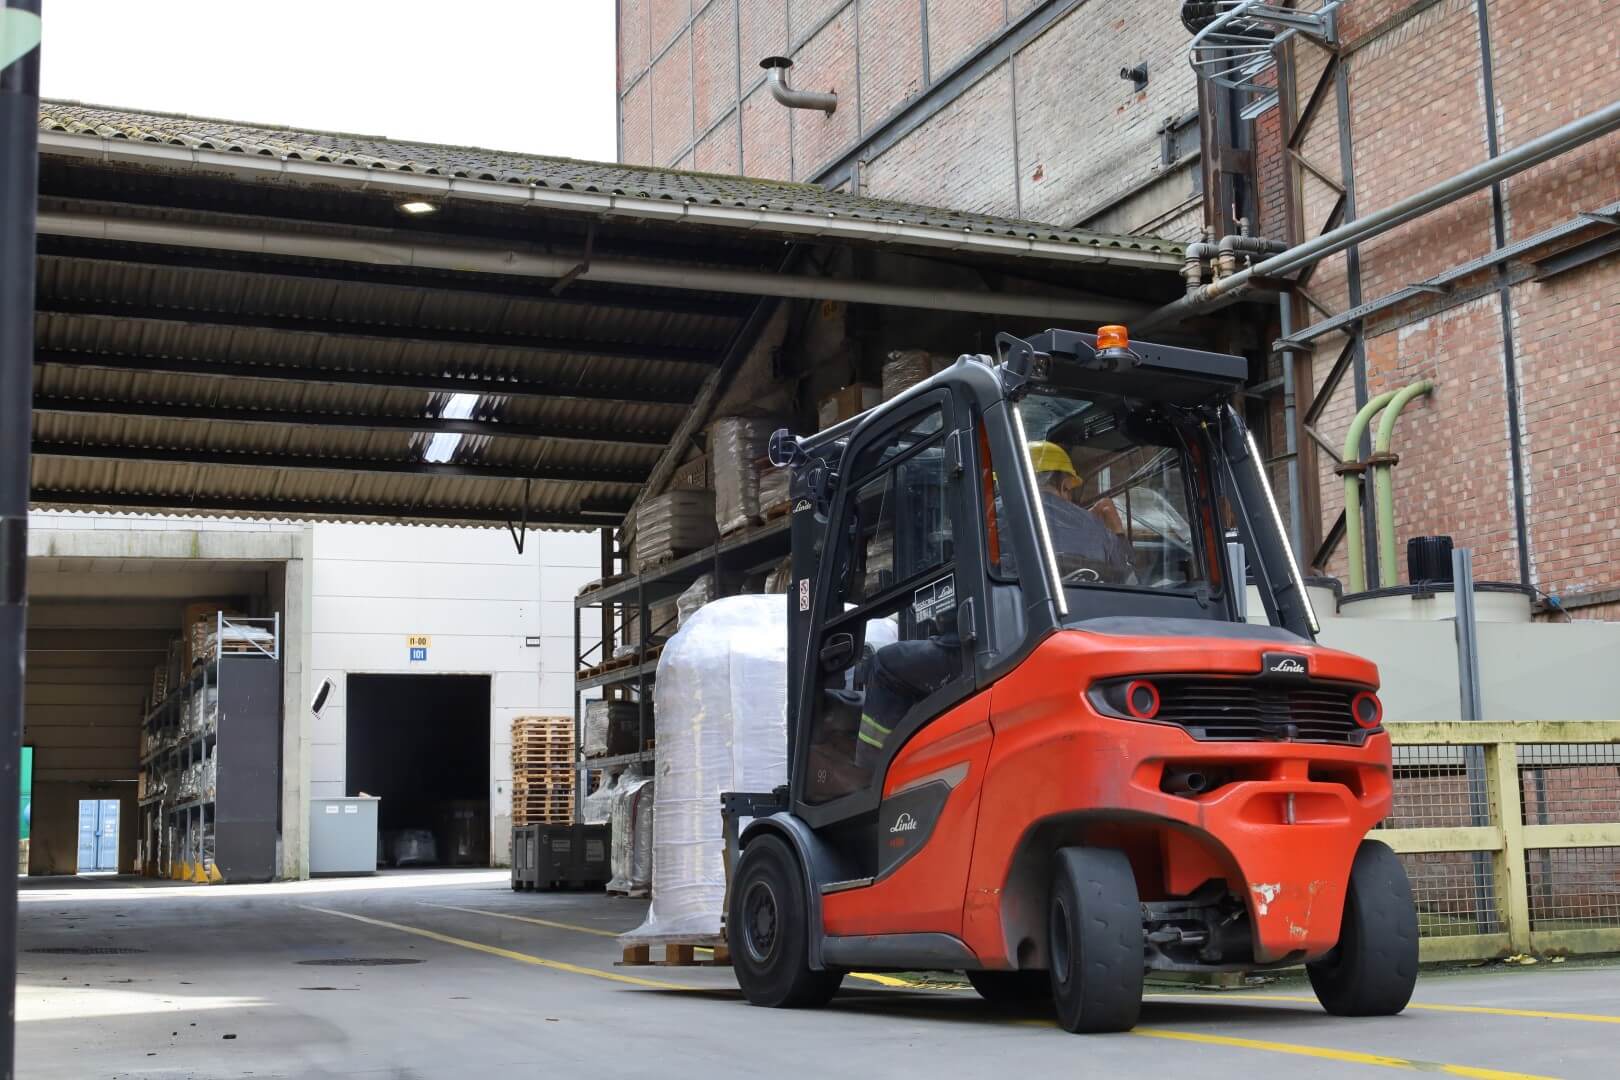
[[1383, 462], [1351, 470], [776, 68]]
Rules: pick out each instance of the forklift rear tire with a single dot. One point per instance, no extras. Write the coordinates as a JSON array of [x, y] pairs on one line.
[[1375, 966], [1096, 944], [1011, 987], [768, 930]]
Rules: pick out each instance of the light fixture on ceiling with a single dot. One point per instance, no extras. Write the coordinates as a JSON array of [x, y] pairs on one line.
[[417, 208]]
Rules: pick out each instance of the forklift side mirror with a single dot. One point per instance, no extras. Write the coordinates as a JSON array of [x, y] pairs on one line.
[[784, 450], [1018, 359]]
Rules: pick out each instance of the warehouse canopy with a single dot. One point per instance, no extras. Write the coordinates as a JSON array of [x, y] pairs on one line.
[[253, 321]]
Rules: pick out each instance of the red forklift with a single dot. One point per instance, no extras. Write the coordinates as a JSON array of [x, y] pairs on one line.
[[1032, 735]]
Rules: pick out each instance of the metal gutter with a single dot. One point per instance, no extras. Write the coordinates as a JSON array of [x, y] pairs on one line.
[[616, 270], [1477, 178], [798, 224]]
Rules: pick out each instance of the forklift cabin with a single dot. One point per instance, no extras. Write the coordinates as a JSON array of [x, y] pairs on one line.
[[1018, 660]]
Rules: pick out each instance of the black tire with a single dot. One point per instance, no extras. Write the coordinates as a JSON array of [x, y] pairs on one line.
[[768, 931], [1095, 942], [1375, 966], [1011, 987]]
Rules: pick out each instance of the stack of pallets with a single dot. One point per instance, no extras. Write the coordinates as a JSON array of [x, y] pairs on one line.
[[542, 770]]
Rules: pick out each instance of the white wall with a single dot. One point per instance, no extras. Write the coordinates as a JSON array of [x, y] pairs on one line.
[[477, 600]]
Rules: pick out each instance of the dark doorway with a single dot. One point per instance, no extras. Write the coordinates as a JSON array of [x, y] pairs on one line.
[[420, 743]]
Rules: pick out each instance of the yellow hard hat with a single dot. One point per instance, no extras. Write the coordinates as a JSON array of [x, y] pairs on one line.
[[1050, 457]]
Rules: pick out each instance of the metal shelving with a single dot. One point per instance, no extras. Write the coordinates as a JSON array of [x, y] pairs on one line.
[[733, 558], [184, 837]]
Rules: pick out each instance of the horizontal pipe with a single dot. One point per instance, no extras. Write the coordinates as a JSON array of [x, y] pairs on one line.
[[618, 271], [1477, 178]]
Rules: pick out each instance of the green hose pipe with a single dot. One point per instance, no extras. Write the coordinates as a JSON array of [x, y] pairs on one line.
[[1384, 481], [1352, 490]]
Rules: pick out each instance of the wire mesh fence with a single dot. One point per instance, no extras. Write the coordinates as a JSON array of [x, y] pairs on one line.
[[1569, 783], [1573, 888], [1454, 893], [1438, 787]]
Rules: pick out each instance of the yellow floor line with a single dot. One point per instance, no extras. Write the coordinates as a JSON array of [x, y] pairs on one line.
[[1479, 1010], [507, 954], [528, 919], [1325, 1053]]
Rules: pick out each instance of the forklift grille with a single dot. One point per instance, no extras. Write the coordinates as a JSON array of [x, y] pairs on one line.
[[1224, 710]]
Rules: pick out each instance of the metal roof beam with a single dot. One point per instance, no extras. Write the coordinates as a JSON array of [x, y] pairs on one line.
[[271, 508], [269, 460], [56, 305], [395, 380], [438, 282], [350, 421]]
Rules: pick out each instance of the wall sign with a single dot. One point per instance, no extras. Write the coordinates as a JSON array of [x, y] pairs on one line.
[[418, 645]]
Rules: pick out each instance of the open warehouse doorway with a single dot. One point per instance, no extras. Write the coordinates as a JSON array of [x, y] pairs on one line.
[[420, 743]]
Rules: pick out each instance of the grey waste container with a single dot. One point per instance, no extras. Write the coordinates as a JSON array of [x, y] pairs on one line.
[[343, 835]]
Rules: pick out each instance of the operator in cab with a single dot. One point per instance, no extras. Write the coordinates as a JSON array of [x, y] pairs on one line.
[[1088, 543], [1089, 547]]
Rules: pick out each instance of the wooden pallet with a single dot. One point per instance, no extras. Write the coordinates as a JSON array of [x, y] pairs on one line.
[[676, 954], [771, 513]]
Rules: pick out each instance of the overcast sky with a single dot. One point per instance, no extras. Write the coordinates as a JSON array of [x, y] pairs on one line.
[[526, 75]]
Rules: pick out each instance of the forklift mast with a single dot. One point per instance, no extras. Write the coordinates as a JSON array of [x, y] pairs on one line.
[[941, 478]]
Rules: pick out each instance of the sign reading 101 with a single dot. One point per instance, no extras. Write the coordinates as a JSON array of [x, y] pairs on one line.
[[418, 644]]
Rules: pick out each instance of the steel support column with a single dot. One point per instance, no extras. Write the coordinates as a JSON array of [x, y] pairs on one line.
[[19, 164]]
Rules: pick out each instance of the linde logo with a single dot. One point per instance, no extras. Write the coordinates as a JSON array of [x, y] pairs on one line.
[[904, 823], [1288, 666]]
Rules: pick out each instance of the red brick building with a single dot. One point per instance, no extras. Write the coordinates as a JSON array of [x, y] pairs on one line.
[[1508, 298]]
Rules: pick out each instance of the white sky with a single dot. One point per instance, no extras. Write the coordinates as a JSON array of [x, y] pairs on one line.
[[526, 75]]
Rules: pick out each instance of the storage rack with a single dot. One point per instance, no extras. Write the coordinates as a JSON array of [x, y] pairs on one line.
[[228, 832], [731, 560]]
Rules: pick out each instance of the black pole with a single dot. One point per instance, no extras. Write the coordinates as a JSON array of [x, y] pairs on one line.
[[19, 178]]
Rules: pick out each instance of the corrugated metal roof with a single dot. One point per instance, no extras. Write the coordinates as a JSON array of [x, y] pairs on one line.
[[368, 152]]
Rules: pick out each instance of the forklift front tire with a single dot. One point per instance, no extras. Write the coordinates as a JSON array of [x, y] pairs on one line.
[[1374, 968], [1096, 945], [768, 930]]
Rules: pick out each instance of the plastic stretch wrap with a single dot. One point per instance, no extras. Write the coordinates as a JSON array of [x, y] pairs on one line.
[[780, 577], [697, 594], [908, 367], [631, 858], [597, 807], [721, 697], [773, 488], [738, 445], [596, 728], [415, 847], [672, 524]]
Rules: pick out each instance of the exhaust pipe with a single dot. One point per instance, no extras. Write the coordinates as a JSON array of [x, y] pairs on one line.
[[777, 69], [1184, 782]]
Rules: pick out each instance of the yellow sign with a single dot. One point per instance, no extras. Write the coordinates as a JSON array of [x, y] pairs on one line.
[[418, 641]]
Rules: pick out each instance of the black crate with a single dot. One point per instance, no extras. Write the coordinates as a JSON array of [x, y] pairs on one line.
[[560, 856]]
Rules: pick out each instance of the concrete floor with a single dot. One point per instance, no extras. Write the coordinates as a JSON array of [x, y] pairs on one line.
[[220, 989]]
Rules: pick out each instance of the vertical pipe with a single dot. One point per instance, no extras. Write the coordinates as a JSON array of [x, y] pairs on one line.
[[19, 178], [1352, 491], [1285, 325], [1384, 482]]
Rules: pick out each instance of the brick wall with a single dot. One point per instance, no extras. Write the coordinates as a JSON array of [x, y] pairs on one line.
[[1048, 131], [1419, 113]]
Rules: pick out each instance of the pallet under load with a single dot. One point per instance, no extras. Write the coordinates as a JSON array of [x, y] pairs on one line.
[[542, 770], [708, 951]]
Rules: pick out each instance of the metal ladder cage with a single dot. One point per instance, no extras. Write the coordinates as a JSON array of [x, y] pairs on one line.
[[1234, 42]]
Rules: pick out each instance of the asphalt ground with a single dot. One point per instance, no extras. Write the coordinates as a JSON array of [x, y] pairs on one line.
[[479, 981]]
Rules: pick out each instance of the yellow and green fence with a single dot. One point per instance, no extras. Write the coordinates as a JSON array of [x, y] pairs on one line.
[[1511, 836]]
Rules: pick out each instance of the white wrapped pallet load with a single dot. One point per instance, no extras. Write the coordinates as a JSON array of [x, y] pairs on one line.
[[738, 446], [598, 805], [721, 698], [631, 858]]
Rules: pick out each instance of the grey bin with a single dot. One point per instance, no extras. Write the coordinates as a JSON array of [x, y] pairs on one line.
[[559, 856], [343, 835]]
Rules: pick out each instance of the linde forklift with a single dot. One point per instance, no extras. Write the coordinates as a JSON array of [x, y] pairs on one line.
[[1032, 736]]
